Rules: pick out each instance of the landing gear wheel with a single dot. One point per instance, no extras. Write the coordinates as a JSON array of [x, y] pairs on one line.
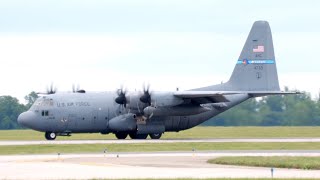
[[134, 135], [121, 135], [155, 136], [50, 135]]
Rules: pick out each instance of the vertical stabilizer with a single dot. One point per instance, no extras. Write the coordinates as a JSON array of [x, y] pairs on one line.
[[256, 67]]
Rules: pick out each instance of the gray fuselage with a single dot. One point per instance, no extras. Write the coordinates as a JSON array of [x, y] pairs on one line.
[[91, 113]]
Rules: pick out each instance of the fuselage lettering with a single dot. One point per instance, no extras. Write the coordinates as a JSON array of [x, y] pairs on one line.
[[72, 104]]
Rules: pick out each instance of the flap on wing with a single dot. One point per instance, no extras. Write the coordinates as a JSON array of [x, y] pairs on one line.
[[203, 97]]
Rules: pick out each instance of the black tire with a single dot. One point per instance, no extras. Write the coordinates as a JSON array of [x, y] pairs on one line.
[[134, 135], [50, 136], [121, 135], [155, 136]]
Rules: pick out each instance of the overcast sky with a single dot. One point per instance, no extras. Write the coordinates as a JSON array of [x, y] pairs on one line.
[[102, 45]]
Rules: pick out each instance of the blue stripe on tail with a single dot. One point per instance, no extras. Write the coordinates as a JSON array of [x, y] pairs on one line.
[[260, 61]]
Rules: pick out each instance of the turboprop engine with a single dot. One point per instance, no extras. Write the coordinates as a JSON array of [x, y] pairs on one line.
[[125, 122], [137, 102]]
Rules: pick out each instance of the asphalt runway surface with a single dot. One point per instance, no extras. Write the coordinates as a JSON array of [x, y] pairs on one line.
[[131, 141], [144, 165], [147, 164]]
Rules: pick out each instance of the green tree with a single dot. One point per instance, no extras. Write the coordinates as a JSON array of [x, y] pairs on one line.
[[30, 99], [300, 110], [271, 110], [281, 110], [10, 108], [242, 115]]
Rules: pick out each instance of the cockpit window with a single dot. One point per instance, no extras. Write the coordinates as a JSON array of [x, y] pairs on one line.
[[42, 102]]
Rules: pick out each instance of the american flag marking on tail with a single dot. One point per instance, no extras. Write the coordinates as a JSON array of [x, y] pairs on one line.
[[258, 49]]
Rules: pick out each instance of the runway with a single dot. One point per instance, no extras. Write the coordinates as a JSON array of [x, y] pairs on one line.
[[143, 165], [147, 165], [131, 141]]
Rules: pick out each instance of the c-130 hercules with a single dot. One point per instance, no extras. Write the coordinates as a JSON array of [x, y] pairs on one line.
[[139, 114]]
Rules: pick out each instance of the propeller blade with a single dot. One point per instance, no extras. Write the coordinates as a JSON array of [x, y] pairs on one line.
[[146, 97], [121, 99], [51, 89], [73, 88], [77, 89]]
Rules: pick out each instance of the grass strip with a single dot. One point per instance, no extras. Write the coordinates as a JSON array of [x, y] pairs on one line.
[[272, 161], [149, 147], [197, 132]]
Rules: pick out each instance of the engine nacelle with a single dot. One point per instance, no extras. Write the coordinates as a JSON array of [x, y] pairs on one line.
[[174, 111], [125, 122], [158, 99]]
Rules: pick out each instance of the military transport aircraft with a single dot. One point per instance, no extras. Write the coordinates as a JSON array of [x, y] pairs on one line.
[[139, 114]]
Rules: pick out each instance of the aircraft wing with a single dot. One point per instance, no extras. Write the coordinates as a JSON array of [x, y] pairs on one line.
[[203, 97]]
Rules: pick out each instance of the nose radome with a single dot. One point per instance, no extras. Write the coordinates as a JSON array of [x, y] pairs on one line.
[[26, 118]]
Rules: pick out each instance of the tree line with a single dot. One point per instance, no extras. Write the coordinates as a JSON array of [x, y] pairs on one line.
[[10, 108], [289, 110], [280, 110]]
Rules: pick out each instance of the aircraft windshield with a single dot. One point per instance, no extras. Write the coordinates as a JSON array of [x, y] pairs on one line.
[[42, 102]]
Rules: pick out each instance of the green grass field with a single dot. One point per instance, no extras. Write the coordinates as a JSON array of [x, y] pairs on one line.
[[156, 147], [274, 161], [197, 132]]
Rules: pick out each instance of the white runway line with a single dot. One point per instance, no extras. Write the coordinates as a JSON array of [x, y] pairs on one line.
[[8, 143]]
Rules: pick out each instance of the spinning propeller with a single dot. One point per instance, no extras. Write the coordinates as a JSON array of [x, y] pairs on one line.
[[51, 89], [77, 89], [121, 99], [146, 97]]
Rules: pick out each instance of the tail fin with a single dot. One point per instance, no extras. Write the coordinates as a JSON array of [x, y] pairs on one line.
[[256, 67]]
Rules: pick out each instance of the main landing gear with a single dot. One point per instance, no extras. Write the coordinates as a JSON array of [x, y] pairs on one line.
[[121, 135], [155, 136], [134, 135], [50, 135]]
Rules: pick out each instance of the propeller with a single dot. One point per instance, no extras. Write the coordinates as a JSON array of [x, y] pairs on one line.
[[77, 89], [51, 89], [121, 99], [146, 97]]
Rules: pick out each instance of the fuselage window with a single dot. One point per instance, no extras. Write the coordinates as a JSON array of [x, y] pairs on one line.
[[45, 113]]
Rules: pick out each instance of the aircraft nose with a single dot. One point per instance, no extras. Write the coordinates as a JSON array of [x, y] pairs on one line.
[[26, 118]]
